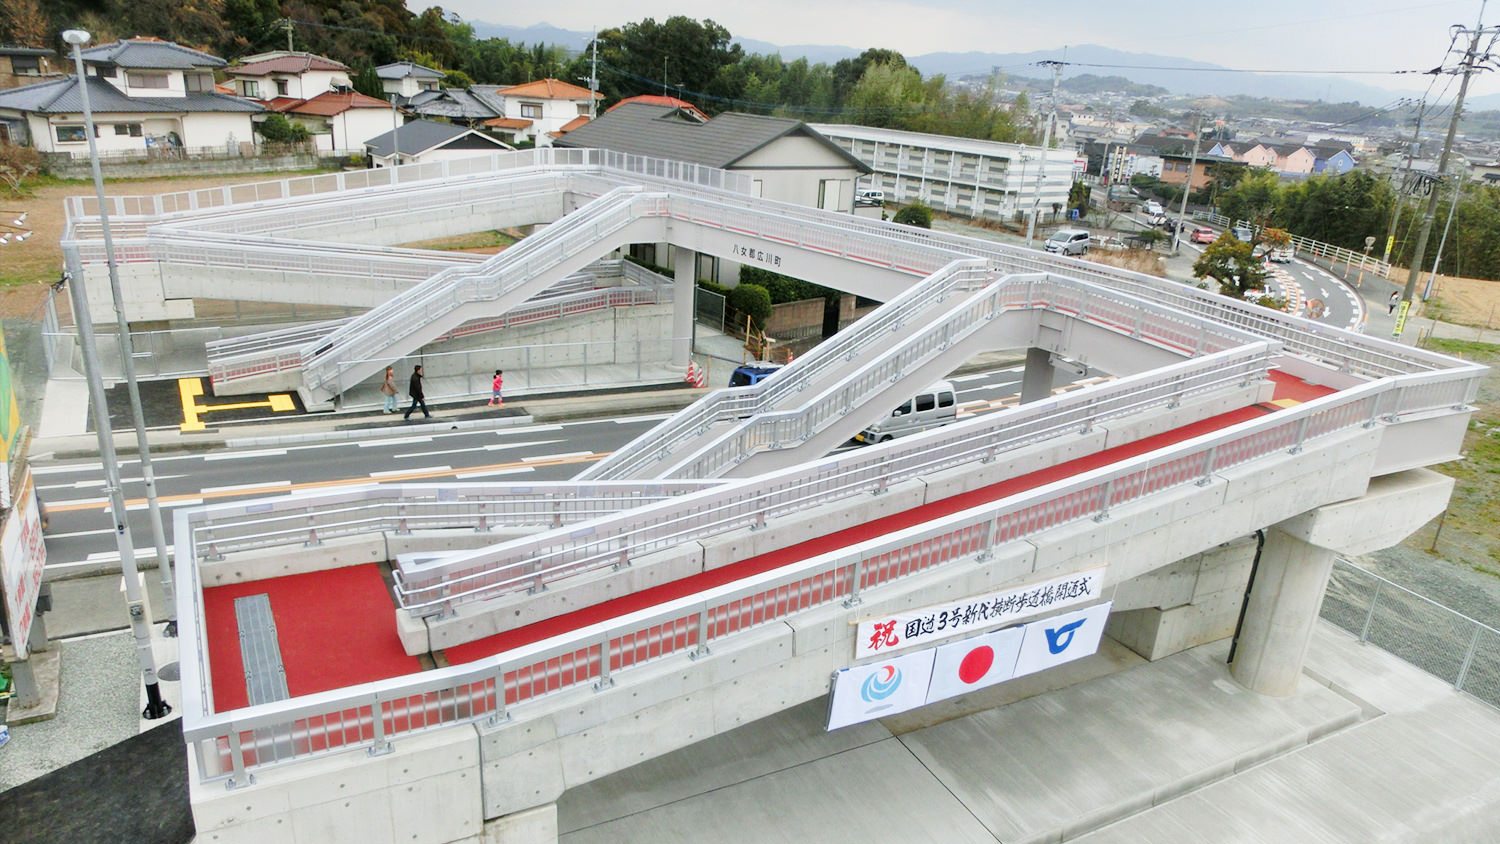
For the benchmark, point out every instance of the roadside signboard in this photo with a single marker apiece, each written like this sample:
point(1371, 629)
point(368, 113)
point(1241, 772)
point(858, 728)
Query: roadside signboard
point(886, 634)
point(22, 557)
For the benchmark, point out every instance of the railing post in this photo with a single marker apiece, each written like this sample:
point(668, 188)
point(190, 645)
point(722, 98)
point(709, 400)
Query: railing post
point(1301, 435)
point(604, 681)
point(1463, 670)
point(856, 571)
point(380, 745)
point(240, 778)
point(990, 536)
point(1104, 500)
point(1208, 465)
point(702, 648)
point(499, 714)
point(1364, 630)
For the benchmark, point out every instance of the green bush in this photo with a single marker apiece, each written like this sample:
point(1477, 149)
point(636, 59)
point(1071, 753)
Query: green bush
point(713, 287)
point(915, 214)
point(784, 288)
point(276, 129)
point(753, 301)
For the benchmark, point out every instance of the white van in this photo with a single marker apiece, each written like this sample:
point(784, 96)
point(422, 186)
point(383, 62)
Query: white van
point(933, 407)
point(1068, 242)
point(869, 196)
point(1153, 208)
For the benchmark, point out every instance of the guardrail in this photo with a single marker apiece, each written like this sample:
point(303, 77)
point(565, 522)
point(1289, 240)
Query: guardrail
point(1316, 248)
point(229, 746)
point(427, 589)
point(1444, 643)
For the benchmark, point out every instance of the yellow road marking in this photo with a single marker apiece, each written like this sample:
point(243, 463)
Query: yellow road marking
point(189, 389)
point(62, 507)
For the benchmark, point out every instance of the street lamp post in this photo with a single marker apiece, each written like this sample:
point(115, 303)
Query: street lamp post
point(140, 624)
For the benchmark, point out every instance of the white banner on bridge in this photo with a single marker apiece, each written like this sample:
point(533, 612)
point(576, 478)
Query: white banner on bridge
point(1063, 638)
point(22, 557)
point(866, 692)
point(982, 612)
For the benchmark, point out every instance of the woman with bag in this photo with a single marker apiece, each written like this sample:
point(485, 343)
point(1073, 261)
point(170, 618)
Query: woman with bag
point(388, 387)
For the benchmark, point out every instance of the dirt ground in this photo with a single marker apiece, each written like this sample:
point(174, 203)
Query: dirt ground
point(27, 268)
point(1463, 301)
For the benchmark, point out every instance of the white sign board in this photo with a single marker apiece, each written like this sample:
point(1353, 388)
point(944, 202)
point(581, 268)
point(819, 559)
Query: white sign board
point(970, 665)
point(22, 557)
point(969, 615)
point(866, 692)
point(1063, 638)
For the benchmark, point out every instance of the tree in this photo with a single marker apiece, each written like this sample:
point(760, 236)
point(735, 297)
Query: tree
point(367, 82)
point(915, 214)
point(1078, 198)
point(1231, 262)
point(753, 301)
point(23, 24)
point(17, 163)
point(650, 57)
point(276, 129)
point(1253, 199)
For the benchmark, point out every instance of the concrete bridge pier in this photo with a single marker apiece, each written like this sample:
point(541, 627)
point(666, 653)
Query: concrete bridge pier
point(1036, 381)
point(684, 290)
point(1288, 582)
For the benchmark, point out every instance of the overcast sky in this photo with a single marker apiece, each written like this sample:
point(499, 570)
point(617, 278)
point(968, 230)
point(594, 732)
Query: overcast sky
point(1261, 35)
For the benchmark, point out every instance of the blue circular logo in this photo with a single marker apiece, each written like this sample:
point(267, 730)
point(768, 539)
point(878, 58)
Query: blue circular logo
point(881, 685)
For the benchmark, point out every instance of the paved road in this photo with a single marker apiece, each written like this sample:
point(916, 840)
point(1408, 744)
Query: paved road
point(80, 539)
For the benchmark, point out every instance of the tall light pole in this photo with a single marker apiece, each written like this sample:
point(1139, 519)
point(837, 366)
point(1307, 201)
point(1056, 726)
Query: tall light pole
point(1187, 187)
point(135, 602)
point(1041, 170)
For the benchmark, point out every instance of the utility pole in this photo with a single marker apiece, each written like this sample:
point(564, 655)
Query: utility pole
point(286, 23)
point(1443, 241)
point(1187, 187)
point(1041, 170)
point(594, 76)
point(1411, 153)
point(1469, 61)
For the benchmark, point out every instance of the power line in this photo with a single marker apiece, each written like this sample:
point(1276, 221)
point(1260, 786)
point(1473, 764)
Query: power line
point(1282, 71)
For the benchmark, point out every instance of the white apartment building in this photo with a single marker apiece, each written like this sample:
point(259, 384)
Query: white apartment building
point(958, 175)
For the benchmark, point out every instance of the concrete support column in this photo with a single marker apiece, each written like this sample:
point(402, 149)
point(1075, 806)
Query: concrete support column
point(1279, 613)
point(684, 288)
point(1036, 381)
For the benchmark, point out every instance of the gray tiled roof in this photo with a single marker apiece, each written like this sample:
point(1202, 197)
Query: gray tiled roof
point(401, 70)
point(490, 96)
point(661, 131)
point(418, 136)
point(60, 96)
point(452, 103)
point(150, 54)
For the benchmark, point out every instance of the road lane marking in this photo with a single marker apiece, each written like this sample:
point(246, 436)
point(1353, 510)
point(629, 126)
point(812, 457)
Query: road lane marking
point(471, 450)
point(102, 504)
point(393, 441)
point(390, 473)
point(241, 455)
point(463, 476)
point(243, 487)
point(569, 454)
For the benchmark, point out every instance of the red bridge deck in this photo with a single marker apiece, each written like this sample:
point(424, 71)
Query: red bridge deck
point(337, 628)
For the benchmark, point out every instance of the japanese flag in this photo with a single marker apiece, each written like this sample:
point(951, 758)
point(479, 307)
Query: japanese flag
point(971, 664)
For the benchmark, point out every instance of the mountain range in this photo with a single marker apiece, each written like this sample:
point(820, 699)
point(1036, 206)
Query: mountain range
point(1178, 75)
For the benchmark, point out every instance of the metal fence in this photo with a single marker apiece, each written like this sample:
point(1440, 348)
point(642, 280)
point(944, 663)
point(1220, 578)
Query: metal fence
point(1444, 643)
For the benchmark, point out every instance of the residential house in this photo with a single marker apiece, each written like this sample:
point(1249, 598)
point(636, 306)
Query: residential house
point(784, 159)
point(1175, 168)
point(406, 79)
point(1487, 173)
point(455, 105)
point(26, 66)
point(536, 112)
point(422, 141)
point(660, 100)
point(340, 120)
point(283, 74)
point(147, 96)
point(1332, 156)
point(1258, 155)
point(1293, 159)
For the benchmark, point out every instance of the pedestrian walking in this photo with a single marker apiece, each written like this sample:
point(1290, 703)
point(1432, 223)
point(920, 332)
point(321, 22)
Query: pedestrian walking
point(414, 389)
point(495, 399)
point(388, 388)
point(1395, 300)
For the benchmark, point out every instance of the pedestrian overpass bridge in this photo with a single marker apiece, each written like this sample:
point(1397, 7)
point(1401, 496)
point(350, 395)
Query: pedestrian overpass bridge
point(484, 647)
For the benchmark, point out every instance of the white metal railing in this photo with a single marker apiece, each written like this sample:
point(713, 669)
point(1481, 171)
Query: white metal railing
point(281, 350)
point(230, 745)
point(426, 589)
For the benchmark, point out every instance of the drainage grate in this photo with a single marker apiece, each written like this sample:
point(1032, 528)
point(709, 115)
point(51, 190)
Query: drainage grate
point(265, 676)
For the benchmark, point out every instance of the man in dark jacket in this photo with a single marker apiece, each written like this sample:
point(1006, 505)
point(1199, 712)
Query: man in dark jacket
point(414, 389)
